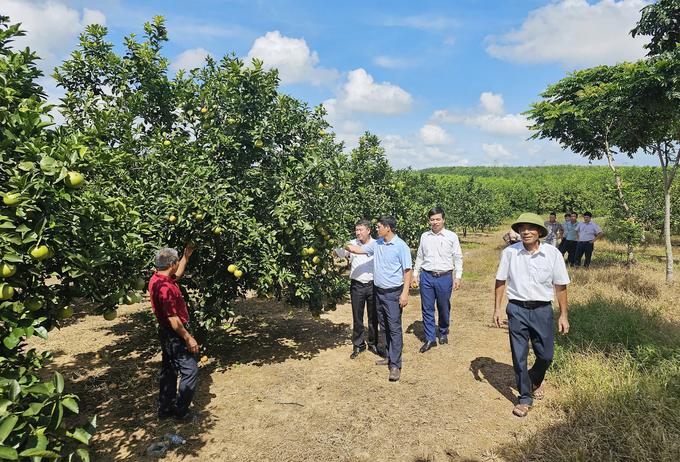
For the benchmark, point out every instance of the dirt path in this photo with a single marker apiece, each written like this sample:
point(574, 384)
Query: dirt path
point(282, 388)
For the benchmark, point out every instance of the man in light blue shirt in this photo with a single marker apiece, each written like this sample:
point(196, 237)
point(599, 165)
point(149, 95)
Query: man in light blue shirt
point(392, 278)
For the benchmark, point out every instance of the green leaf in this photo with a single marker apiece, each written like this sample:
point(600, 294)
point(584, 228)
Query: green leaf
point(14, 391)
point(70, 404)
point(84, 434)
point(13, 258)
point(8, 453)
point(4, 404)
point(83, 455)
point(57, 414)
point(11, 341)
point(45, 388)
point(33, 409)
point(6, 426)
point(58, 382)
point(36, 452)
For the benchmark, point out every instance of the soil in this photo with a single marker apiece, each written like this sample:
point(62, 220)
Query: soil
point(281, 387)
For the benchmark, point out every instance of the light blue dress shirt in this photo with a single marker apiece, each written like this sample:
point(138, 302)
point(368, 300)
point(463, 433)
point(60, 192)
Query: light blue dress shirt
point(390, 260)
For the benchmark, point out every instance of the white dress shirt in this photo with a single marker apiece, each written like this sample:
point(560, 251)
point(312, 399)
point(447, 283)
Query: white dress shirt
point(361, 266)
point(587, 231)
point(438, 252)
point(531, 277)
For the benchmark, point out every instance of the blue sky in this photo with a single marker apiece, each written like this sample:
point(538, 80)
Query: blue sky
point(441, 83)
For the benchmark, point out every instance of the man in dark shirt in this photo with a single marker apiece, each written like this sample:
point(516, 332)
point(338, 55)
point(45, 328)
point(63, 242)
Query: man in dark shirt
point(177, 344)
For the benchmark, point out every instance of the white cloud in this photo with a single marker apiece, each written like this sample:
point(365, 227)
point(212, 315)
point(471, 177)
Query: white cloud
point(352, 126)
point(492, 104)
point(52, 27)
point(391, 63)
point(497, 151)
point(292, 57)
point(434, 135)
point(506, 125)
point(492, 119)
point(190, 59)
point(574, 32)
point(362, 94)
point(93, 17)
point(402, 152)
point(450, 41)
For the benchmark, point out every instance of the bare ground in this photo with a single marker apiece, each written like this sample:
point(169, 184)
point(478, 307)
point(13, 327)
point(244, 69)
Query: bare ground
point(281, 387)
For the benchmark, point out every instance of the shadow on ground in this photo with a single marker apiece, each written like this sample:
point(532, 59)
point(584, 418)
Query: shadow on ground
point(618, 376)
point(416, 328)
point(498, 375)
point(265, 333)
point(119, 382)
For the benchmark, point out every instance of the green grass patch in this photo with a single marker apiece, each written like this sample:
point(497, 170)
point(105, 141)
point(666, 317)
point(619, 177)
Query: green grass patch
point(468, 276)
point(618, 375)
point(470, 245)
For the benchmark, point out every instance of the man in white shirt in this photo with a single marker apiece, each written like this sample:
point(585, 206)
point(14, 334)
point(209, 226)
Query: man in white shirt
point(361, 292)
point(531, 269)
point(587, 233)
point(439, 252)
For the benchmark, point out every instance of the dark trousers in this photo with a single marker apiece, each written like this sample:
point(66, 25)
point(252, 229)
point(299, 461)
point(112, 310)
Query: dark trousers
point(389, 317)
point(537, 325)
point(563, 246)
point(176, 360)
point(363, 296)
point(571, 250)
point(437, 290)
point(584, 248)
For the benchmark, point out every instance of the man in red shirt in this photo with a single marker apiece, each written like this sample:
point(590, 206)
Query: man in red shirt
point(177, 344)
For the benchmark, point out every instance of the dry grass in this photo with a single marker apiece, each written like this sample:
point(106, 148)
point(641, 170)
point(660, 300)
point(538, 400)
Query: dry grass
point(281, 387)
point(618, 371)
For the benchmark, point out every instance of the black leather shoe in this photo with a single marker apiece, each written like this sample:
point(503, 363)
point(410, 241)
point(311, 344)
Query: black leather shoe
point(427, 345)
point(357, 351)
point(443, 340)
point(376, 350)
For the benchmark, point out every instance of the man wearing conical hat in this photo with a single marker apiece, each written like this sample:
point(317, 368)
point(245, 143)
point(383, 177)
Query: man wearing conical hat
point(534, 272)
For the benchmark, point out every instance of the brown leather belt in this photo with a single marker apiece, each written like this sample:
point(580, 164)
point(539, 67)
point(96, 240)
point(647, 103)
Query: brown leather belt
point(438, 275)
point(531, 305)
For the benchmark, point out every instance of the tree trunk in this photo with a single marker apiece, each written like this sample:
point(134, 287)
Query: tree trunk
point(624, 204)
point(667, 232)
point(631, 258)
point(664, 157)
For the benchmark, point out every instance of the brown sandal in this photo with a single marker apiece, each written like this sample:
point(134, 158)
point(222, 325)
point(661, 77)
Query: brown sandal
point(521, 410)
point(537, 392)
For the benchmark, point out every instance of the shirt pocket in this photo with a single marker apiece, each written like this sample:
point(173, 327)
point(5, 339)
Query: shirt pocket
point(542, 274)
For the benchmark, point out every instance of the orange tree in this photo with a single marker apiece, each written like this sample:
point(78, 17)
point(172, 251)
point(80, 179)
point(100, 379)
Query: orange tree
point(60, 239)
point(215, 157)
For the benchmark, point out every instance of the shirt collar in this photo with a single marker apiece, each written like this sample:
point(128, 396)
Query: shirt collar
point(541, 247)
point(435, 234)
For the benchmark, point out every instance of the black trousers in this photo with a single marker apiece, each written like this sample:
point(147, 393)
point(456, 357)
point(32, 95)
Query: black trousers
point(581, 249)
point(571, 250)
point(176, 360)
point(363, 297)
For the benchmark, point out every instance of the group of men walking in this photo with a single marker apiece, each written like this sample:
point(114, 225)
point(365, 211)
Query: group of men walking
point(381, 274)
point(388, 261)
